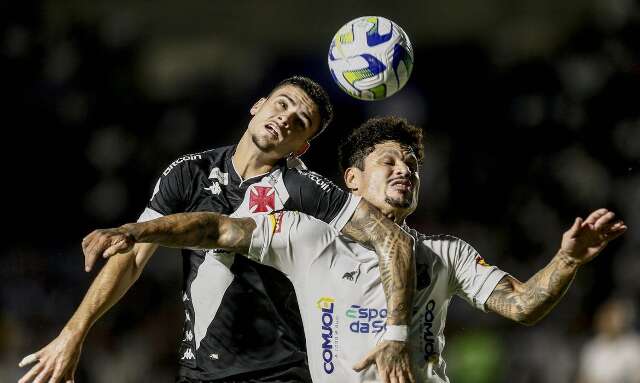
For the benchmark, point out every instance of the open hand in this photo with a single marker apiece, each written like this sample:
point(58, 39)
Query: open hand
point(586, 239)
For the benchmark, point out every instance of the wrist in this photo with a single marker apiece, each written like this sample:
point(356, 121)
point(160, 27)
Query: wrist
point(398, 333)
point(567, 260)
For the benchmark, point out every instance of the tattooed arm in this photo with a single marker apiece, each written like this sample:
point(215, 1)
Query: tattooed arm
point(196, 230)
point(531, 301)
point(394, 248)
point(395, 253)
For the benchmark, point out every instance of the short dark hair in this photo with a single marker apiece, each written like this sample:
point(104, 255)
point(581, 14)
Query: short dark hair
point(362, 141)
point(317, 93)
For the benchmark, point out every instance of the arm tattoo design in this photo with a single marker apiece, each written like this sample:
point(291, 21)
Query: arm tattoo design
point(197, 230)
point(531, 301)
point(394, 248)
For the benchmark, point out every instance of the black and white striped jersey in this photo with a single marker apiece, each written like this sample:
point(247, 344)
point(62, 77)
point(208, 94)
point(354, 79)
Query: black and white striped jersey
point(240, 316)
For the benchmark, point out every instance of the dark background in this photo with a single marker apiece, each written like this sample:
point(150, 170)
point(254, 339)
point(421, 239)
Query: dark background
point(530, 108)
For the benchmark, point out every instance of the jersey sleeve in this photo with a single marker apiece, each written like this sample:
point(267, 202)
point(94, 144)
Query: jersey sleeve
point(315, 195)
point(171, 193)
point(289, 241)
point(471, 277)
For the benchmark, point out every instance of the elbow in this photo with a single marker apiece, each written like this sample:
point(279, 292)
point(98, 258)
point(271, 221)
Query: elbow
point(528, 318)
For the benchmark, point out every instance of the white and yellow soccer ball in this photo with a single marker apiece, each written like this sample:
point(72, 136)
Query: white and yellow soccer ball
point(370, 58)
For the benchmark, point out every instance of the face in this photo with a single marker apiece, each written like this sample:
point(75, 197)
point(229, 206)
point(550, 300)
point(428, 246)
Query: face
point(390, 179)
point(284, 122)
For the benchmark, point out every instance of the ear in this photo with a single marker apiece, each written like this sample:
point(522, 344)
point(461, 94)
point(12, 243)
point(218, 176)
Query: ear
point(352, 178)
point(254, 109)
point(303, 149)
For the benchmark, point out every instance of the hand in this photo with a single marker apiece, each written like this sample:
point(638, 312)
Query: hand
point(56, 362)
point(392, 359)
point(586, 239)
point(105, 243)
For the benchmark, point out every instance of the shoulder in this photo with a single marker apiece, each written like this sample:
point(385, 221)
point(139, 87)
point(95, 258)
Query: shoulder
point(199, 160)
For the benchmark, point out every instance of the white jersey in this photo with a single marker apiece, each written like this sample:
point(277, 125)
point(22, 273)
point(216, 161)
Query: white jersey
point(342, 301)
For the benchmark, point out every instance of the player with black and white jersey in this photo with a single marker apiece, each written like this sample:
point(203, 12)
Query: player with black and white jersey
point(241, 318)
point(338, 282)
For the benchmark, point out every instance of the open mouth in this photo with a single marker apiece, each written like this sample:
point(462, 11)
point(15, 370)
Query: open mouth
point(272, 129)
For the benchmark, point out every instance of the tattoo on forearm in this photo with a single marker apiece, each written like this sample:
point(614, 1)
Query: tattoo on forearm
point(531, 301)
point(395, 253)
point(202, 230)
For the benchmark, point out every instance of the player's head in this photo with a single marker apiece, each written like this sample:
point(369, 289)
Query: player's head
point(380, 161)
point(296, 110)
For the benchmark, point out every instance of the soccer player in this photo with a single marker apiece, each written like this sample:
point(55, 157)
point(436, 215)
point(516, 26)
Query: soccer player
point(338, 282)
point(251, 177)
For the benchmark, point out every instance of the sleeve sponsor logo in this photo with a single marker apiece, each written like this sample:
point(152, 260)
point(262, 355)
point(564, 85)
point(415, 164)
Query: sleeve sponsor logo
point(480, 261)
point(319, 180)
point(366, 320)
point(179, 161)
point(262, 199)
point(326, 306)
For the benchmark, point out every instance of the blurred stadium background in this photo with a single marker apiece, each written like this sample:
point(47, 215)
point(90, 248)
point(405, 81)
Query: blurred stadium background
point(531, 109)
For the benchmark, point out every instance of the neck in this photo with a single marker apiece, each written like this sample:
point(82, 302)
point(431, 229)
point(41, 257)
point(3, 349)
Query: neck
point(396, 217)
point(249, 161)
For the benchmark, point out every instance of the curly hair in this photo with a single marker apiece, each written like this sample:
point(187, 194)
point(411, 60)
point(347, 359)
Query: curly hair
point(317, 93)
point(362, 141)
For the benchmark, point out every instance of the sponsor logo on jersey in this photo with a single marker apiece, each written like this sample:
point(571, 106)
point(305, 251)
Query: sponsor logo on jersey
point(428, 336)
point(318, 179)
point(180, 160)
point(480, 261)
point(188, 354)
point(262, 199)
point(326, 306)
point(275, 219)
point(366, 320)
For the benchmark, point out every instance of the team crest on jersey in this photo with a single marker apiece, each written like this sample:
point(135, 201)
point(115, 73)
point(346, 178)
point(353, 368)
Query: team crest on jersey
point(262, 199)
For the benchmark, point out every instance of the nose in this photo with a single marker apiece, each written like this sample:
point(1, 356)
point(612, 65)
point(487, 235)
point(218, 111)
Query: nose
point(403, 169)
point(286, 118)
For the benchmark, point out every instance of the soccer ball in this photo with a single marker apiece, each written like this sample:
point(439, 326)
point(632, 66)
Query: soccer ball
point(370, 58)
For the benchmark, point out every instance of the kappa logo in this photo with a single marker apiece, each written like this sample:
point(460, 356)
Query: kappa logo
point(262, 199)
point(350, 275)
point(188, 354)
point(188, 336)
point(218, 178)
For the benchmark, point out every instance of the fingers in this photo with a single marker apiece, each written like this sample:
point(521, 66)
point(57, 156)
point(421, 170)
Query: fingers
point(27, 360)
point(35, 370)
point(44, 374)
point(365, 363)
point(120, 246)
point(594, 216)
point(576, 227)
point(604, 221)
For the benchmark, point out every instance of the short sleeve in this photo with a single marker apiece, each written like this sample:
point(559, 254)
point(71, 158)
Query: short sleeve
point(473, 279)
point(171, 192)
point(289, 241)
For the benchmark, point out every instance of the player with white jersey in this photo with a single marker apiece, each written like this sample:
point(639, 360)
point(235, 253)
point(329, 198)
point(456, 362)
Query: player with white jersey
point(338, 282)
point(342, 302)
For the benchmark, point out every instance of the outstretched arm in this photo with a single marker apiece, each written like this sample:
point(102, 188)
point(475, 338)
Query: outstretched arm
point(531, 301)
point(58, 360)
point(394, 248)
point(184, 230)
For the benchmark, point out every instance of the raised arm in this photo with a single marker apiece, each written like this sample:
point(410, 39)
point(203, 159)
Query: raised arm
point(394, 248)
point(58, 360)
point(531, 301)
point(203, 230)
